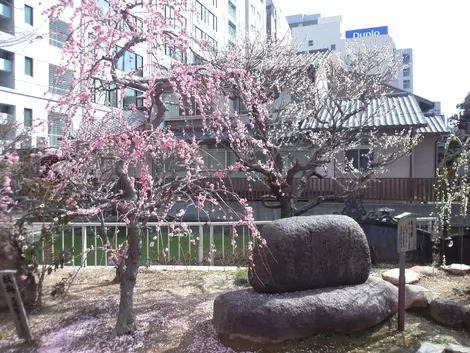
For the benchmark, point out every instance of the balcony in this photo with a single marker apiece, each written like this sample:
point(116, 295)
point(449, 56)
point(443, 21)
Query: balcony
point(6, 65)
point(5, 10)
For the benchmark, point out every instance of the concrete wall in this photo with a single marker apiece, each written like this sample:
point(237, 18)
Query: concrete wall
point(324, 34)
point(424, 158)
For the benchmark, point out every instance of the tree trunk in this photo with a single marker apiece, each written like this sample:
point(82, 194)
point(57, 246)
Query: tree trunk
point(125, 322)
point(286, 210)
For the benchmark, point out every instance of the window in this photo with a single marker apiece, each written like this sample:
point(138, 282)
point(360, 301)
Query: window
point(214, 158)
point(61, 84)
point(58, 33)
point(108, 91)
point(28, 66)
point(55, 128)
point(190, 107)
point(359, 158)
point(130, 62)
point(28, 117)
point(174, 52)
point(206, 16)
point(406, 84)
point(232, 29)
point(310, 43)
point(406, 72)
point(258, 15)
point(232, 9)
point(201, 35)
point(406, 59)
point(333, 46)
point(28, 15)
point(133, 97)
point(253, 10)
point(214, 3)
point(172, 20)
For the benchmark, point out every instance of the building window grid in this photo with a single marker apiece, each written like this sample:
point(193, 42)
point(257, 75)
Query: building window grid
point(201, 35)
point(58, 33)
point(28, 66)
point(55, 128)
point(406, 72)
point(130, 62)
point(310, 43)
point(59, 85)
point(206, 16)
point(28, 15)
point(406, 84)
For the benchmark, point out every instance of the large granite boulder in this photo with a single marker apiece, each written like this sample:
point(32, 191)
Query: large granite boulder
point(448, 312)
point(310, 252)
point(247, 319)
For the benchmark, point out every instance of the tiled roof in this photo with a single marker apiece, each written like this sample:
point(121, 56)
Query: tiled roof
point(112, 125)
point(436, 125)
point(394, 111)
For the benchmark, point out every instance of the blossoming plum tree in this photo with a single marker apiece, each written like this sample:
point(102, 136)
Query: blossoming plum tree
point(116, 158)
point(303, 112)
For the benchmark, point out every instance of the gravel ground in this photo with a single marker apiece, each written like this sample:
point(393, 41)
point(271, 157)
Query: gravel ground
point(174, 311)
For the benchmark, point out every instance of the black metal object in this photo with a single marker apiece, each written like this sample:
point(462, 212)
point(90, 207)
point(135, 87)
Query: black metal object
point(354, 208)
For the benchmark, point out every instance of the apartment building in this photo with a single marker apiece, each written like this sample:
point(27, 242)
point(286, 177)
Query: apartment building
point(277, 26)
point(313, 32)
point(30, 52)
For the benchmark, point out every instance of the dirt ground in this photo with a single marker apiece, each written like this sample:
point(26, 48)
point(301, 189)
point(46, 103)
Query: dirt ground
point(174, 311)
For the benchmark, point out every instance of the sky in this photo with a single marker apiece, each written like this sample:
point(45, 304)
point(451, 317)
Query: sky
point(437, 31)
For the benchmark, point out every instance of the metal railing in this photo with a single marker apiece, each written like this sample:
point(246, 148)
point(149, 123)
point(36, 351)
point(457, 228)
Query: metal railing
point(208, 243)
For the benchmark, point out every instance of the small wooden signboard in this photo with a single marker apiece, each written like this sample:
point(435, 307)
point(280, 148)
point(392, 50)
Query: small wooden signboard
point(406, 241)
point(15, 303)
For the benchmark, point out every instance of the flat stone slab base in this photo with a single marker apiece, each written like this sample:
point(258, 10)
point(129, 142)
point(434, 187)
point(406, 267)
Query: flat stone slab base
point(246, 319)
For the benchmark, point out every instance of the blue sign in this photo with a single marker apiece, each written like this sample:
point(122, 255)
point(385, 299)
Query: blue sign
point(367, 32)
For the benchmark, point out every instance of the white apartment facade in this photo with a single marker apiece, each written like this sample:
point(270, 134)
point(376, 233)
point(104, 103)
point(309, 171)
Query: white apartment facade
point(313, 32)
point(27, 68)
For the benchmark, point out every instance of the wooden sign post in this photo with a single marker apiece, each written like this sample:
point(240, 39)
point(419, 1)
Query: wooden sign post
point(406, 241)
point(15, 303)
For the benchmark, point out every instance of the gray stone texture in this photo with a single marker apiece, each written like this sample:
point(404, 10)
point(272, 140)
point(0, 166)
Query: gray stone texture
point(417, 297)
point(310, 252)
point(447, 312)
point(247, 319)
point(393, 276)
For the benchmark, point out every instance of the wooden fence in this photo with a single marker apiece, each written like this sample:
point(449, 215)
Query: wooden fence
point(386, 189)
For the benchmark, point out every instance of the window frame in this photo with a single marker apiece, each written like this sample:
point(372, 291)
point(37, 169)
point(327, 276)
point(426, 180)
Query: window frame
point(28, 10)
point(360, 158)
point(30, 120)
point(30, 61)
point(407, 82)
